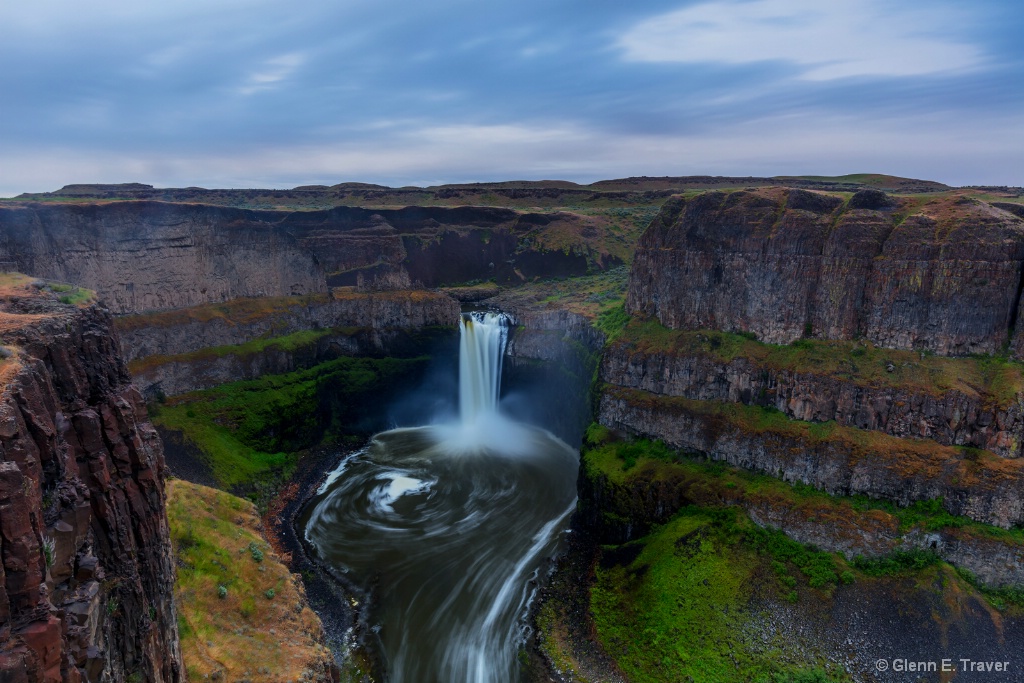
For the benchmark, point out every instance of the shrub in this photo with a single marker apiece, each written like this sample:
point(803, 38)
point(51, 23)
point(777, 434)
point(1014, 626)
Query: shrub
point(257, 554)
point(49, 549)
point(222, 591)
point(270, 593)
point(899, 561)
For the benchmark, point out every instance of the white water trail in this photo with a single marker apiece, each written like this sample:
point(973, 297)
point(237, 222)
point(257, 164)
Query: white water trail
point(481, 349)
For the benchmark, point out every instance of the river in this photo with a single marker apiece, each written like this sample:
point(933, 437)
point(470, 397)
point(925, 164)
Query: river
point(445, 525)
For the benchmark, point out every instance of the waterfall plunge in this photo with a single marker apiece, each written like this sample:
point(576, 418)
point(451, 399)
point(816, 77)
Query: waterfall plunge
point(446, 524)
point(481, 349)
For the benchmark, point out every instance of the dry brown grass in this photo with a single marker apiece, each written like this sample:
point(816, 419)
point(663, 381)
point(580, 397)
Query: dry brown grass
point(237, 311)
point(246, 634)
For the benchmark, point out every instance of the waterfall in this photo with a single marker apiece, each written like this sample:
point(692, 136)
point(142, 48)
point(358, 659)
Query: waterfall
point(481, 348)
point(445, 526)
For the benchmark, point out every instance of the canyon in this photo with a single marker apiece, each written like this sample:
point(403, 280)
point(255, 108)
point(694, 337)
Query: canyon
point(836, 361)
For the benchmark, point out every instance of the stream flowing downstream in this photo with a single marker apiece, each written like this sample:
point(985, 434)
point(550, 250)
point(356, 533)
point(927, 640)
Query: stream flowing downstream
point(445, 525)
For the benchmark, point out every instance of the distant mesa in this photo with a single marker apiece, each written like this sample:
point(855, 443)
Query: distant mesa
point(80, 189)
point(346, 192)
point(512, 185)
point(358, 186)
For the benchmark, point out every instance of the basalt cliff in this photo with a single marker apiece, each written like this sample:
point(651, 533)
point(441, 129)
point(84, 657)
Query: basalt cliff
point(86, 573)
point(826, 342)
point(145, 255)
point(941, 276)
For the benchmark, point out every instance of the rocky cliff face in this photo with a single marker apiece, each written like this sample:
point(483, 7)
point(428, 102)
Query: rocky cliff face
point(836, 460)
point(968, 416)
point(552, 355)
point(179, 351)
point(86, 573)
point(148, 255)
point(621, 508)
point(942, 275)
point(240, 321)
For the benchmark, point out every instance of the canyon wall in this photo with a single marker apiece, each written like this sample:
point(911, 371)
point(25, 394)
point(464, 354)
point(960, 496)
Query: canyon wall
point(147, 256)
point(842, 344)
point(552, 355)
point(86, 574)
point(969, 414)
point(174, 352)
point(941, 276)
point(837, 460)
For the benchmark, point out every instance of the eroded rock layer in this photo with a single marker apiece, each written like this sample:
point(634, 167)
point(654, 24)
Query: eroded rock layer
point(174, 352)
point(838, 460)
point(86, 573)
point(147, 255)
point(150, 255)
point(965, 415)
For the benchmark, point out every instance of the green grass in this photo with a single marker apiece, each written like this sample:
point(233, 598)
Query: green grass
point(592, 295)
point(613, 321)
point(250, 431)
point(234, 629)
point(288, 343)
point(629, 463)
point(1003, 599)
point(899, 562)
point(70, 294)
point(675, 605)
point(625, 461)
point(678, 604)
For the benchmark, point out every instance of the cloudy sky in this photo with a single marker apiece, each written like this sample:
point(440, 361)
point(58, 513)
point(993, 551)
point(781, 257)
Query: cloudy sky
point(264, 93)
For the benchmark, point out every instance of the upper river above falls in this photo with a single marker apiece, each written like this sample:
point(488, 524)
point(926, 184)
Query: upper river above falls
point(445, 525)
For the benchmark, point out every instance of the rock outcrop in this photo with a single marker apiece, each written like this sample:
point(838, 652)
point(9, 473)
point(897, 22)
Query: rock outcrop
point(86, 573)
point(149, 255)
point(625, 507)
point(552, 354)
point(837, 460)
point(942, 276)
point(179, 351)
point(968, 416)
point(244, 320)
point(146, 255)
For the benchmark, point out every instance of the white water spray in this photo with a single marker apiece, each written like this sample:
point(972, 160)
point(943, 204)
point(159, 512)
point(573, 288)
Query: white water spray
point(481, 348)
point(445, 525)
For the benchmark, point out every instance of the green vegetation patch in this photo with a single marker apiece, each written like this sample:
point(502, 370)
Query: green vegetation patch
point(70, 294)
point(676, 605)
point(859, 362)
point(613, 321)
point(627, 463)
point(592, 296)
point(687, 601)
point(250, 431)
point(288, 343)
